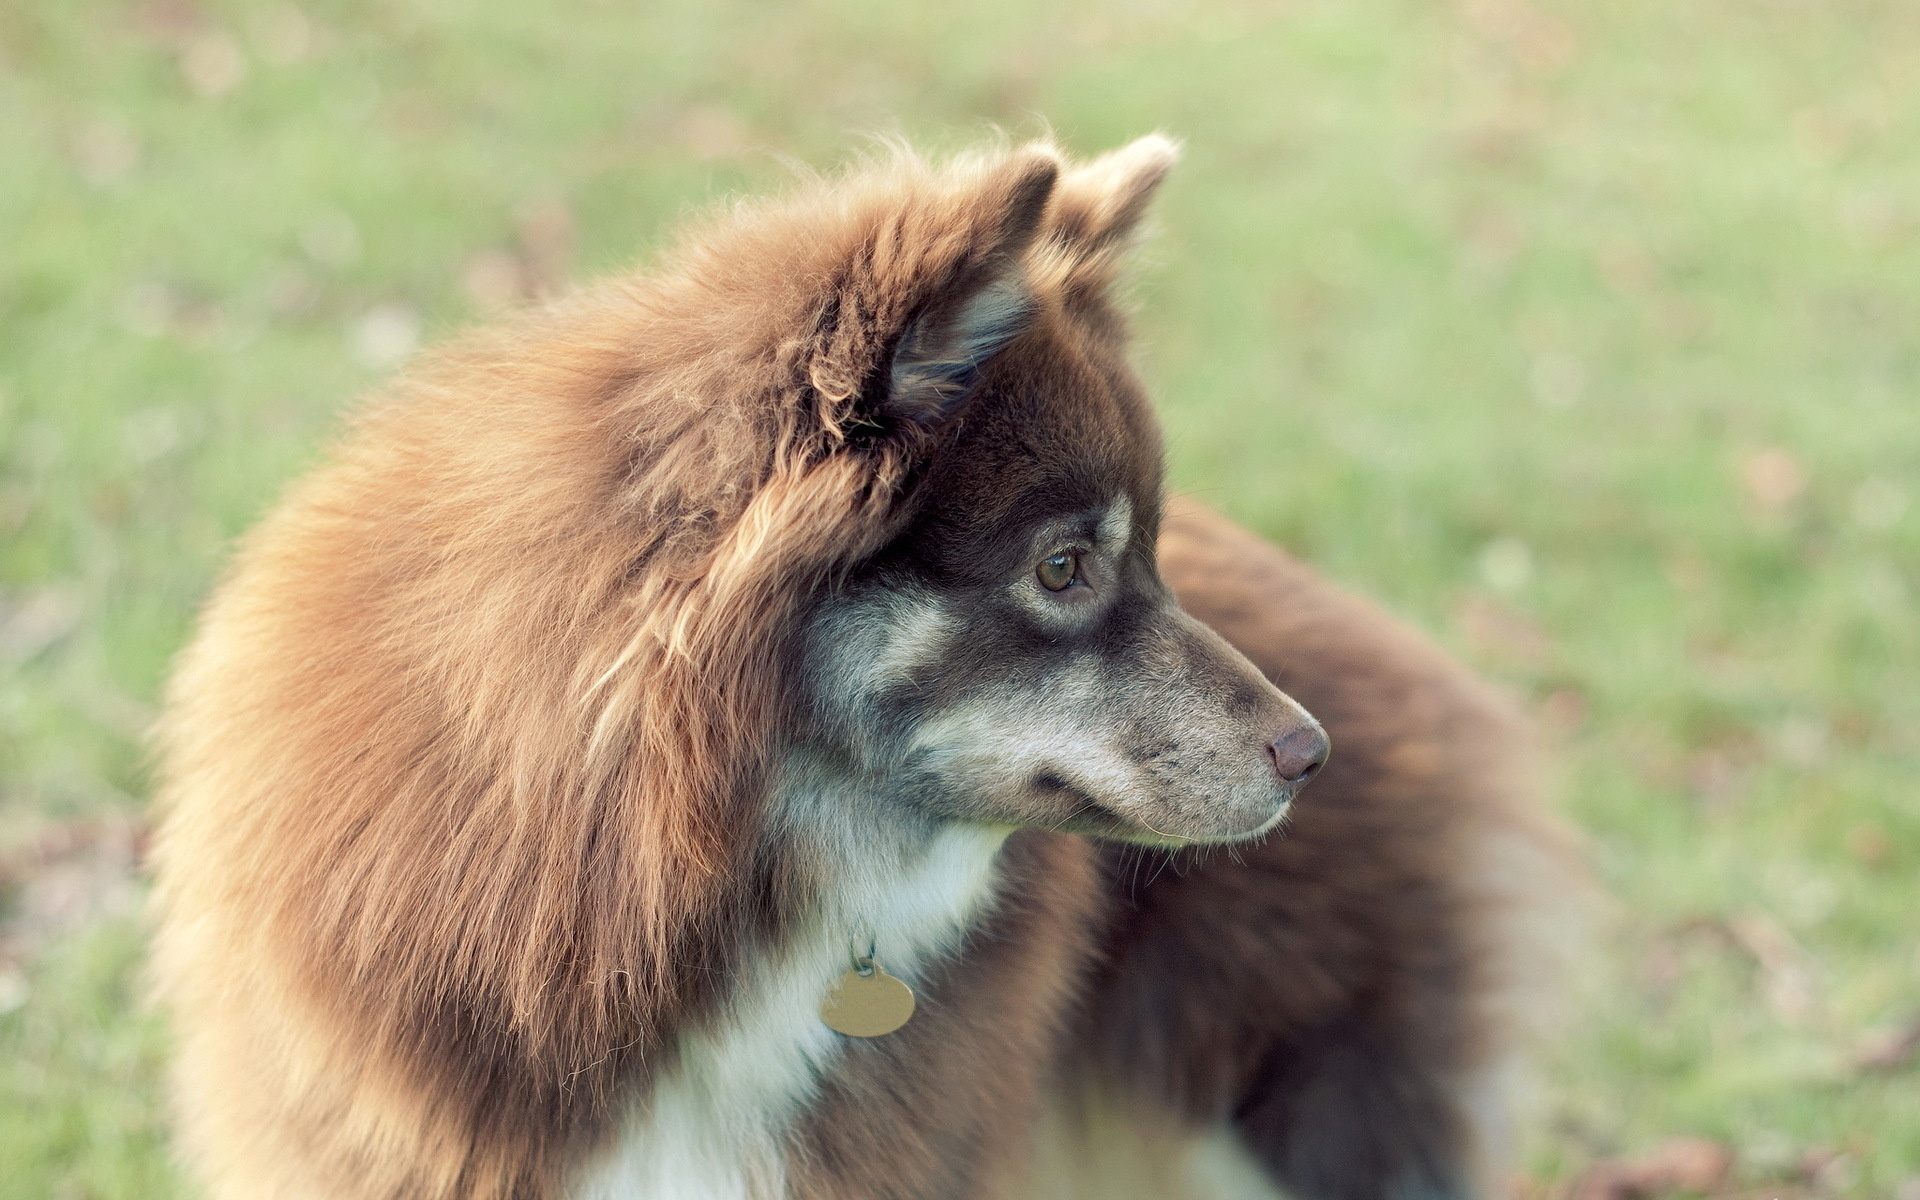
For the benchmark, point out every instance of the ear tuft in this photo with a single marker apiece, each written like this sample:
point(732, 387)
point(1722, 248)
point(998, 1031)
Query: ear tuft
point(940, 355)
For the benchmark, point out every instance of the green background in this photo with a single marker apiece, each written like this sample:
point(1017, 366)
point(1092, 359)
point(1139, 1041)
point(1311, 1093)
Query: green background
point(1582, 334)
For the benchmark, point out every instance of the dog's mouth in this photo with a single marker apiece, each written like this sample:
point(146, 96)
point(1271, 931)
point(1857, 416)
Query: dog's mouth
point(1091, 817)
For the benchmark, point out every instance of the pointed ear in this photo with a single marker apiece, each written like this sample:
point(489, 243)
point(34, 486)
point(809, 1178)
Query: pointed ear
point(976, 306)
point(1097, 207)
point(942, 351)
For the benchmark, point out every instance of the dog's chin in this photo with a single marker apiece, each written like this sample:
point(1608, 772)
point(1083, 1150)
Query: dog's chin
point(1223, 834)
point(1121, 822)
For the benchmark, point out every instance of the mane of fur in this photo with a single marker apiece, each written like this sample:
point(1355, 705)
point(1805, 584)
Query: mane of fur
point(462, 779)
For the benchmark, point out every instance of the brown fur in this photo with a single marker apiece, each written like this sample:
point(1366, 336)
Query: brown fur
point(463, 778)
point(1385, 923)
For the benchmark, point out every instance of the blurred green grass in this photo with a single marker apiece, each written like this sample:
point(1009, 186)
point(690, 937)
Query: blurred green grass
point(1583, 334)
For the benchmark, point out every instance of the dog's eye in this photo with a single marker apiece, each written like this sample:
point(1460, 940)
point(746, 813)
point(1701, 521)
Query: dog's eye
point(1056, 574)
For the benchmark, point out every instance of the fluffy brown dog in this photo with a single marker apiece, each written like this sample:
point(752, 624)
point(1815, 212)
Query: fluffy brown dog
point(639, 683)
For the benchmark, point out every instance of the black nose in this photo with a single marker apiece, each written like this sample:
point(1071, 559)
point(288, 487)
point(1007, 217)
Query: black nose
point(1298, 756)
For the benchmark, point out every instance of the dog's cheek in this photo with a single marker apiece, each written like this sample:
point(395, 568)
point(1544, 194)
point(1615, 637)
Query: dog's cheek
point(1026, 752)
point(865, 649)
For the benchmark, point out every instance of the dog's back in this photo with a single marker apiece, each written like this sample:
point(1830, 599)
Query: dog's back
point(636, 681)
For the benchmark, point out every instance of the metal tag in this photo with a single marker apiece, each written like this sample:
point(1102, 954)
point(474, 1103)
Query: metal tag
point(867, 1002)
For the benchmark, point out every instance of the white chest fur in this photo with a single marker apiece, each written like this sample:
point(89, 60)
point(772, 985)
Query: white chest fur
point(713, 1126)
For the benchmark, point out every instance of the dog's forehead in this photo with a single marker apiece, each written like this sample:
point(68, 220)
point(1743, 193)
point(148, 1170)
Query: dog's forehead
point(1057, 433)
point(1080, 422)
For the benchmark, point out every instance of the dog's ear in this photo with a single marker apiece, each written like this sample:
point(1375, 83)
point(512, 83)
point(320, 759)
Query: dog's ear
point(1098, 207)
point(969, 317)
point(944, 347)
point(940, 291)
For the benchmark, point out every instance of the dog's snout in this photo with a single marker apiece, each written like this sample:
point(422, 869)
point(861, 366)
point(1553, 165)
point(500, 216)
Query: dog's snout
point(1299, 754)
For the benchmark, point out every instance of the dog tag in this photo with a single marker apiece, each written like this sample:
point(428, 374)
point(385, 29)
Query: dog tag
point(867, 1002)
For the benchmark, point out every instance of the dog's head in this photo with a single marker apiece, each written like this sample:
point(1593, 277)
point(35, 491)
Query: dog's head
point(1010, 654)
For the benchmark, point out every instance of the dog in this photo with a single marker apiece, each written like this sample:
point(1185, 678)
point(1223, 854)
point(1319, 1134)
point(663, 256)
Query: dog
point(758, 729)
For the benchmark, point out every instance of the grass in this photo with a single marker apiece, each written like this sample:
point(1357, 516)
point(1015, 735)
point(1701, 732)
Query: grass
point(1581, 333)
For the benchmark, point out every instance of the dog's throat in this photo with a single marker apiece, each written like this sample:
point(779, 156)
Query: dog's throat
point(867, 1002)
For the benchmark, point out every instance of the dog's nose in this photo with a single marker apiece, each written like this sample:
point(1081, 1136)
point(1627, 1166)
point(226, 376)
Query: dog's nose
point(1299, 755)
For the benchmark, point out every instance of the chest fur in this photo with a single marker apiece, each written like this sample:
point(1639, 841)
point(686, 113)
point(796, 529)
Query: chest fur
point(715, 1124)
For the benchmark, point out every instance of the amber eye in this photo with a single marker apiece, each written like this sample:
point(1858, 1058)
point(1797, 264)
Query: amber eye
point(1058, 572)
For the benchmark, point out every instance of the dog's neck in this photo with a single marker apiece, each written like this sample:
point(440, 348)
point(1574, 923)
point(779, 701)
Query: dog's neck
point(885, 877)
point(882, 877)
